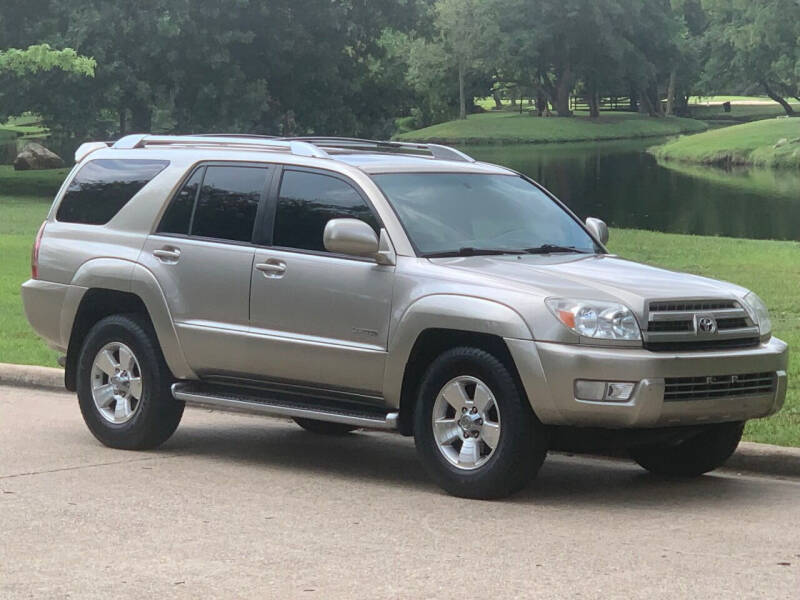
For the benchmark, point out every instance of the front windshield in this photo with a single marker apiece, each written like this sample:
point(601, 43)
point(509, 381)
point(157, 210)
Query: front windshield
point(469, 213)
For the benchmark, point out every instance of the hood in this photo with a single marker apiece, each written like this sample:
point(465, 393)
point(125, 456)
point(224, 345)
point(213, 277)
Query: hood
point(597, 277)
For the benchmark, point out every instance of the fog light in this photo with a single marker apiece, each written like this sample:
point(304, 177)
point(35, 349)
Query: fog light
point(603, 391)
point(619, 392)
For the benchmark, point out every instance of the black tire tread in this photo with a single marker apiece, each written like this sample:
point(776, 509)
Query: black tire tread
point(159, 414)
point(693, 457)
point(523, 445)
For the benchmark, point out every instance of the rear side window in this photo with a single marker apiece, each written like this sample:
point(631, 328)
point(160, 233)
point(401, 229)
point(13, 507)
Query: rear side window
point(228, 201)
point(102, 187)
point(306, 203)
point(178, 218)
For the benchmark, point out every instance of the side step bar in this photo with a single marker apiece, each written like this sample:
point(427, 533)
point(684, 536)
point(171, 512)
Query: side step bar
point(282, 405)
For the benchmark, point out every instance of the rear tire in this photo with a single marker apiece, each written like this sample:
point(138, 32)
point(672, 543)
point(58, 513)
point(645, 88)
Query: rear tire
point(699, 454)
point(124, 385)
point(490, 452)
point(324, 427)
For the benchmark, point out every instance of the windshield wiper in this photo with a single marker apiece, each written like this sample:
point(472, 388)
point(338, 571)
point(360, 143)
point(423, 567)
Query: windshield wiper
point(470, 251)
point(550, 248)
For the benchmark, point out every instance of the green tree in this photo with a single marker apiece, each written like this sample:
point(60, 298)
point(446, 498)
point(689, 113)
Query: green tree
point(467, 29)
point(756, 42)
point(42, 57)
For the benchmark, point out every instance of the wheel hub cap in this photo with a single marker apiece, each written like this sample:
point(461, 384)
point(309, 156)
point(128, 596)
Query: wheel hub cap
point(466, 422)
point(116, 383)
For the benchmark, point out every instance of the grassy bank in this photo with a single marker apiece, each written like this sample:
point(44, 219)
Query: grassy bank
point(768, 143)
point(770, 268)
point(509, 128)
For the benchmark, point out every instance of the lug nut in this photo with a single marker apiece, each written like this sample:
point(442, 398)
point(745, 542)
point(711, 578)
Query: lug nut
point(463, 409)
point(474, 410)
point(475, 434)
point(479, 422)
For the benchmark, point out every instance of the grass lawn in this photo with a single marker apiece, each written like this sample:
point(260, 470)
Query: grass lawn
point(768, 143)
point(770, 268)
point(511, 127)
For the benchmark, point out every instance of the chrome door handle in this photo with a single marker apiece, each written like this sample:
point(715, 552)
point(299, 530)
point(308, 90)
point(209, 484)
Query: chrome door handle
point(167, 254)
point(273, 268)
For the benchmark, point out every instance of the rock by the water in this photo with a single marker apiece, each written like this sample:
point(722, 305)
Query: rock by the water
point(35, 156)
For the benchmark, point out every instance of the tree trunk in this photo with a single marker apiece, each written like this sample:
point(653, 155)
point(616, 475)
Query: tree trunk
point(123, 121)
point(498, 103)
point(671, 93)
point(462, 102)
point(141, 118)
point(541, 104)
point(779, 99)
point(563, 89)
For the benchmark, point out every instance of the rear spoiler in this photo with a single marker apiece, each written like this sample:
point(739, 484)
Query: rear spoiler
point(86, 149)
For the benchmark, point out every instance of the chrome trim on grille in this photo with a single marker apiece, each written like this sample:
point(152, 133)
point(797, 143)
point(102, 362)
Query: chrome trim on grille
point(671, 323)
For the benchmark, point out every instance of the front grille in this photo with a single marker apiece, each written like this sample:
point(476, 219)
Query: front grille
point(672, 325)
point(679, 389)
point(692, 346)
point(692, 305)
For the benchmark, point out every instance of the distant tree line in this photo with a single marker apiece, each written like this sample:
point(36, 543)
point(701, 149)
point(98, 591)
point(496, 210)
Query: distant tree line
point(352, 66)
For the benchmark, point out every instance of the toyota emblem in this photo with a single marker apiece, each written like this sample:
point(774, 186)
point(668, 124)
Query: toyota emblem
point(706, 324)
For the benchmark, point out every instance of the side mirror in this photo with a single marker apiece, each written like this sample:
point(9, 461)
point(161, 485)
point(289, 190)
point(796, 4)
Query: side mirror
point(350, 236)
point(598, 228)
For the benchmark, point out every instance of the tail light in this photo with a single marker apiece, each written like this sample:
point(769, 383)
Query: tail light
point(35, 252)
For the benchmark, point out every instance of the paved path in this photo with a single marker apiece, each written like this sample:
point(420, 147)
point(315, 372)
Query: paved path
point(244, 507)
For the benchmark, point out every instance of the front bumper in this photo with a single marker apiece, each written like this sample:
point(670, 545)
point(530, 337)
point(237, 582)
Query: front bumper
point(549, 371)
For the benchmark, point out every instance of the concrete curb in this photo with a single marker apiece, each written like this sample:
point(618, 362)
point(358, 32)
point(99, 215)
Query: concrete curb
point(31, 376)
point(761, 459)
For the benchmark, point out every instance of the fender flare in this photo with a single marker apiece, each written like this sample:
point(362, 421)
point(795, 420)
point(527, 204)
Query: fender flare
point(445, 311)
point(126, 276)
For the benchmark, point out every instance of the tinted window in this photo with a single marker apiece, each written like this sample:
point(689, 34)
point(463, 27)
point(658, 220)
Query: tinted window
point(102, 187)
point(228, 201)
point(178, 217)
point(307, 202)
point(445, 212)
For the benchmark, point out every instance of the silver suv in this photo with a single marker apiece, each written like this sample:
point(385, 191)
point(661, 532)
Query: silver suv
point(356, 284)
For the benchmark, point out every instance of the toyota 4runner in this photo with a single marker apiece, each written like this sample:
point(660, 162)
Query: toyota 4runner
point(356, 284)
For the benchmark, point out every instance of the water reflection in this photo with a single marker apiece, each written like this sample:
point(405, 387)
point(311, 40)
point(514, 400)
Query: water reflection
point(621, 183)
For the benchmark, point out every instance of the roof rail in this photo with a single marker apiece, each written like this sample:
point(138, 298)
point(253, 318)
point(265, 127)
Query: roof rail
point(297, 147)
point(301, 146)
point(437, 151)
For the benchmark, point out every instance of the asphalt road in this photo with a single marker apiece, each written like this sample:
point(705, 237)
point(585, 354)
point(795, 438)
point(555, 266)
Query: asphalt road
point(245, 507)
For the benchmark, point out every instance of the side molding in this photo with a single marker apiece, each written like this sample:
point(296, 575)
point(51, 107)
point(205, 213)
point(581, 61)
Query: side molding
point(445, 311)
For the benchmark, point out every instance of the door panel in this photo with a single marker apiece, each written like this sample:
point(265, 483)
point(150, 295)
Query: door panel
point(322, 320)
point(207, 290)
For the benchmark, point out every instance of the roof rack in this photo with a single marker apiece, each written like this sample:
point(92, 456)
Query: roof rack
point(300, 146)
point(437, 151)
point(139, 140)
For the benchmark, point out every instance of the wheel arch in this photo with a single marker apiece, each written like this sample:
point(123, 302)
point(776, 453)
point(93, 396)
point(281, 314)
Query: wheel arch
point(436, 323)
point(118, 287)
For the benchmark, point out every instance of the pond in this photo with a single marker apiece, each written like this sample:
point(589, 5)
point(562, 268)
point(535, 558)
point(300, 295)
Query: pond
point(623, 185)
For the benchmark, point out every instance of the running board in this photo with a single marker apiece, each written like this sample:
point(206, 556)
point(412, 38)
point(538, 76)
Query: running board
point(282, 405)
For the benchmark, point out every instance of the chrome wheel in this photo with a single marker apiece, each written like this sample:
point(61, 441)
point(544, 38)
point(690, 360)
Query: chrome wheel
point(116, 383)
point(466, 422)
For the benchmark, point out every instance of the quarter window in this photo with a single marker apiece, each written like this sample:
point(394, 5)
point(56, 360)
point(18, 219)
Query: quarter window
point(178, 218)
point(228, 202)
point(307, 201)
point(102, 187)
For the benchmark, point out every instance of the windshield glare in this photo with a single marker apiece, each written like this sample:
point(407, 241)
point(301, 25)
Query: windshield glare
point(451, 212)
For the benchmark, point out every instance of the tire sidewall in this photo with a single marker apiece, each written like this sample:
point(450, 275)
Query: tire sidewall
point(129, 332)
point(496, 477)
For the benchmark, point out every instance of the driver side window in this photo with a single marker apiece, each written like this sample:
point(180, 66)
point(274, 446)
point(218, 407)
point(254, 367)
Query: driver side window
point(307, 201)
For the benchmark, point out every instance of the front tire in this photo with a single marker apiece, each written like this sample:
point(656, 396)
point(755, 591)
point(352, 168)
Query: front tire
point(473, 427)
point(692, 457)
point(124, 385)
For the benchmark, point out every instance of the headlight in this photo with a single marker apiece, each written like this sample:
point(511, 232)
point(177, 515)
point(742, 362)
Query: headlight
point(595, 319)
point(758, 311)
